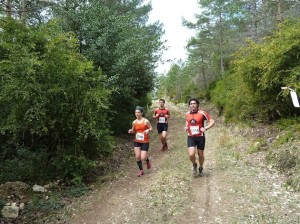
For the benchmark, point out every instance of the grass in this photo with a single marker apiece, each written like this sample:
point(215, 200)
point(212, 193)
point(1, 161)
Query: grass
point(261, 198)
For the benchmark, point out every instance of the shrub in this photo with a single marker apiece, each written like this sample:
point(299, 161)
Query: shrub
point(53, 103)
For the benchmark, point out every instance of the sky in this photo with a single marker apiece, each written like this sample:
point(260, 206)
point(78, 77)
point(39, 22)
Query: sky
point(170, 13)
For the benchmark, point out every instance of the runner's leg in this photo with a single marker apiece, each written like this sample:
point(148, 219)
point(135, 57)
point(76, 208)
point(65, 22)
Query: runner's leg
point(164, 139)
point(137, 153)
point(201, 157)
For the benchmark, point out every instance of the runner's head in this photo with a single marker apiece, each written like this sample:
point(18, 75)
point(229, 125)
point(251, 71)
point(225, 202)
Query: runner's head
point(161, 103)
point(194, 104)
point(139, 111)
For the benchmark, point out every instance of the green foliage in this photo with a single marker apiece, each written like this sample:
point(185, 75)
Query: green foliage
point(221, 29)
point(40, 204)
point(53, 103)
point(2, 203)
point(292, 123)
point(218, 29)
point(115, 36)
point(73, 167)
point(290, 130)
point(75, 190)
point(22, 165)
point(171, 81)
point(252, 89)
point(178, 85)
point(257, 146)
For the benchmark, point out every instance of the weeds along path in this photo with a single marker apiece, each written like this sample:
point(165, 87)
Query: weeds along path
point(233, 190)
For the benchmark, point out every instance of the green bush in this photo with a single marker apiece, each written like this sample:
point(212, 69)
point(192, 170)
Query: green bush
point(251, 89)
point(23, 165)
point(54, 104)
point(75, 190)
point(40, 204)
point(72, 167)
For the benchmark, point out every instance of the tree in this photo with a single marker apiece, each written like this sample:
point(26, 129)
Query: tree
point(222, 28)
point(28, 11)
point(258, 73)
point(54, 105)
point(115, 36)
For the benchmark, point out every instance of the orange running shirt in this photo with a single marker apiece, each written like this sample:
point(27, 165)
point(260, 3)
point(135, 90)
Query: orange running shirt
point(140, 136)
point(195, 121)
point(162, 112)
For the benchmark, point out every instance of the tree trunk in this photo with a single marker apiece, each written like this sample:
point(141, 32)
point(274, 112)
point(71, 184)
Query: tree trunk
point(221, 44)
point(24, 11)
point(8, 8)
point(203, 73)
point(279, 15)
point(256, 20)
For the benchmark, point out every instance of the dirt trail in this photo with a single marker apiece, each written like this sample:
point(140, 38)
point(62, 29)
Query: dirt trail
point(232, 190)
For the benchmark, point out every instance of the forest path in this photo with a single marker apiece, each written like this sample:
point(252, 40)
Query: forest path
point(237, 187)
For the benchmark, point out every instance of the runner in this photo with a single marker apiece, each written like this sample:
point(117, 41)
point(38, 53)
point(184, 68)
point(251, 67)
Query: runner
point(162, 114)
point(141, 127)
point(196, 138)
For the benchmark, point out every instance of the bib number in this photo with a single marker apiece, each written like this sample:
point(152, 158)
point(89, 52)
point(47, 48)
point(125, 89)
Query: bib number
point(195, 130)
point(161, 120)
point(140, 136)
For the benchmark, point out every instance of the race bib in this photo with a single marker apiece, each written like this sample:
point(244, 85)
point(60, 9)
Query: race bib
point(194, 130)
point(161, 120)
point(139, 136)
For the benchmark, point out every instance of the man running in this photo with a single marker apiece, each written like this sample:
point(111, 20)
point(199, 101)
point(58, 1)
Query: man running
point(196, 138)
point(162, 114)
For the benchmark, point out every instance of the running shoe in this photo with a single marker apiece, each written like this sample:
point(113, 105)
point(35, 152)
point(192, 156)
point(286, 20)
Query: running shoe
point(149, 164)
point(194, 170)
point(162, 148)
point(140, 173)
point(201, 173)
point(166, 146)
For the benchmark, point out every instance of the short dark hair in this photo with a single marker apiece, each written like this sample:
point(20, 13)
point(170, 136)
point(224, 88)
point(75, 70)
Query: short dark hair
point(194, 99)
point(162, 100)
point(141, 109)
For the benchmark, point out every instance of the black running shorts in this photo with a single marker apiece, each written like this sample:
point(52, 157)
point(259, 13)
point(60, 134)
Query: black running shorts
point(143, 146)
point(162, 127)
point(196, 141)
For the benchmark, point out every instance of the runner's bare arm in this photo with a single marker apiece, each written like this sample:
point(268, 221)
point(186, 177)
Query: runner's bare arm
point(154, 114)
point(149, 126)
point(168, 115)
point(211, 123)
point(132, 130)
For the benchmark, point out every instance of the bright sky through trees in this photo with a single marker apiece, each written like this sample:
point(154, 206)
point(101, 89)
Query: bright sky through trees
point(170, 13)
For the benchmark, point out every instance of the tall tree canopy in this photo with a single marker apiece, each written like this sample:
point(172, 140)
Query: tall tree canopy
point(252, 88)
point(116, 37)
point(245, 84)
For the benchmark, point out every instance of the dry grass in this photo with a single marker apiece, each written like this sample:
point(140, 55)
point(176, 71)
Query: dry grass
point(257, 190)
